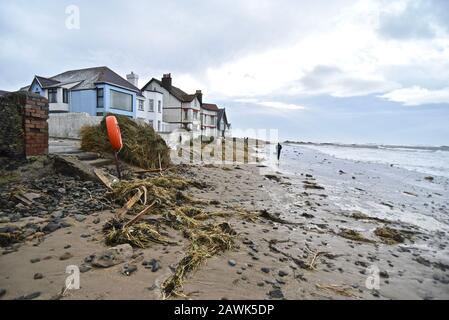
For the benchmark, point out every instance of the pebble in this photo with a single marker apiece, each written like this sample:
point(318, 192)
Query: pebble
point(265, 269)
point(2, 292)
point(283, 273)
point(34, 260)
point(276, 294)
point(67, 246)
point(79, 217)
point(260, 284)
point(66, 256)
point(96, 221)
point(129, 269)
point(85, 268)
point(232, 263)
point(38, 276)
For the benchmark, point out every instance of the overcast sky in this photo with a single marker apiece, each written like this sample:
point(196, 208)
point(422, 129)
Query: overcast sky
point(352, 71)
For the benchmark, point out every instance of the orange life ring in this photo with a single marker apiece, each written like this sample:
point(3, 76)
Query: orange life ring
point(115, 137)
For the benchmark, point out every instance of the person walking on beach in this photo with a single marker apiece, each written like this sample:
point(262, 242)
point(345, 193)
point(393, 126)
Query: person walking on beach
point(279, 148)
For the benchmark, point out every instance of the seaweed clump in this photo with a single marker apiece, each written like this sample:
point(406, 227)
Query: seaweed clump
point(142, 146)
point(392, 236)
point(353, 235)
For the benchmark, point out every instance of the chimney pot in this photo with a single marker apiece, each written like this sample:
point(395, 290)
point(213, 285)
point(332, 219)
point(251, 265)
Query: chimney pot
point(133, 79)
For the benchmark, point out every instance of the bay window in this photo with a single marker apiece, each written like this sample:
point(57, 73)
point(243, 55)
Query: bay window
point(121, 101)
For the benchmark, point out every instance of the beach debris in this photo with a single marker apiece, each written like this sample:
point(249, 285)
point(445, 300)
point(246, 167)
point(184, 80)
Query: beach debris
point(128, 269)
point(338, 289)
point(357, 215)
point(272, 246)
point(142, 146)
point(268, 216)
point(387, 205)
point(353, 235)
point(312, 185)
point(314, 257)
point(139, 235)
point(112, 256)
point(429, 178)
point(206, 241)
point(273, 177)
point(392, 236)
point(410, 193)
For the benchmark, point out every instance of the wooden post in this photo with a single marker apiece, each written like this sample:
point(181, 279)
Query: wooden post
point(234, 150)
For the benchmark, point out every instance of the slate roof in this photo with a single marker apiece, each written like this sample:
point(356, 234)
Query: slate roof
point(210, 106)
point(88, 79)
point(175, 91)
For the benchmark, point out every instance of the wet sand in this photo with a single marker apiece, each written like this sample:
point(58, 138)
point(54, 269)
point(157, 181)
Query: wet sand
point(305, 257)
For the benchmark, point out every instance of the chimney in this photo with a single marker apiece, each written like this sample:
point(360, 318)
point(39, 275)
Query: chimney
point(166, 81)
point(133, 79)
point(199, 94)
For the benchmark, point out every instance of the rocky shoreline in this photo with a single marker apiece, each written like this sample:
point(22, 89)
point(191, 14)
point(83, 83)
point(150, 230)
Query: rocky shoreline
point(303, 246)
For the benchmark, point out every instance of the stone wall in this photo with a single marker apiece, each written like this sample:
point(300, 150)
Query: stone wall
point(23, 125)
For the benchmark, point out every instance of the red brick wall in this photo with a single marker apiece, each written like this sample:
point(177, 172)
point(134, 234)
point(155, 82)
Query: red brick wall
point(23, 125)
point(36, 126)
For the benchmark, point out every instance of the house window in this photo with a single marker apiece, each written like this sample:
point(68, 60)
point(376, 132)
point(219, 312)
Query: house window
point(186, 115)
point(151, 105)
point(52, 95)
point(212, 120)
point(141, 105)
point(195, 115)
point(100, 98)
point(159, 107)
point(65, 96)
point(158, 126)
point(121, 101)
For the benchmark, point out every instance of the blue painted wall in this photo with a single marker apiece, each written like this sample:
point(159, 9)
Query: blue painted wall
point(36, 88)
point(84, 101)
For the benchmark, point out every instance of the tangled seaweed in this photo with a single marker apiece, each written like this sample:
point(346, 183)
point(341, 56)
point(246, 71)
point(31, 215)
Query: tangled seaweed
point(142, 146)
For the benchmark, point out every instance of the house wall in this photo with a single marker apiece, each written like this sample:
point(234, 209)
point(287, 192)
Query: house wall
point(68, 125)
point(84, 101)
point(155, 115)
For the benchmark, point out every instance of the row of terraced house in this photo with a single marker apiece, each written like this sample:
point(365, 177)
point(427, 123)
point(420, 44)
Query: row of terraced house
point(97, 91)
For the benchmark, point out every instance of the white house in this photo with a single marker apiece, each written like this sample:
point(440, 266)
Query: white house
point(180, 110)
point(209, 116)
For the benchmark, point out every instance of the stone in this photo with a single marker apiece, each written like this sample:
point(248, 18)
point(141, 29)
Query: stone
point(57, 214)
point(34, 260)
point(129, 269)
point(276, 294)
point(265, 270)
point(283, 273)
point(85, 268)
point(62, 190)
point(384, 274)
point(51, 227)
point(66, 256)
point(232, 263)
point(112, 256)
point(38, 276)
point(96, 221)
point(79, 217)
point(67, 246)
point(2, 292)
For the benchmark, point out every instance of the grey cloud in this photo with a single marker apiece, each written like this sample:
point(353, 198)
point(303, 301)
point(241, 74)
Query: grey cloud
point(417, 21)
point(150, 37)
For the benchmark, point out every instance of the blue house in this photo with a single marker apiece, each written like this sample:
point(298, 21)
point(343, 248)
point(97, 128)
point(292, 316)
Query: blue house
point(95, 91)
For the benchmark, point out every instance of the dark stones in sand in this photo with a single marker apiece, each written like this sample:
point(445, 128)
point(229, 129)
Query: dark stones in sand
point(85, 268)
point(423, 261)
point(79, 217)
point(30, 296)
point(2, 292)
point(276, 294)
point(273, 177)
point(38, 276)
point(113, 256)
point(232, 263)
point(129, 269)
point(260, 284)
point(341, 172)
point(51, 227)
point(283, 273)
point(384, 274)
point(153, 264)
point(265, 270)
point(96, 221)
point(67, 246)
point(66, 256)
point(308, 215)
point(429, 178)
point(35, 260)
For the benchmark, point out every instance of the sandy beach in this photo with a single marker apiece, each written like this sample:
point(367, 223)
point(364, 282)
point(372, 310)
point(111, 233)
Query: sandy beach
point(343, 230)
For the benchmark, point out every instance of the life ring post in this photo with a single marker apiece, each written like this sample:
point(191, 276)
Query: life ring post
point(115, 138)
